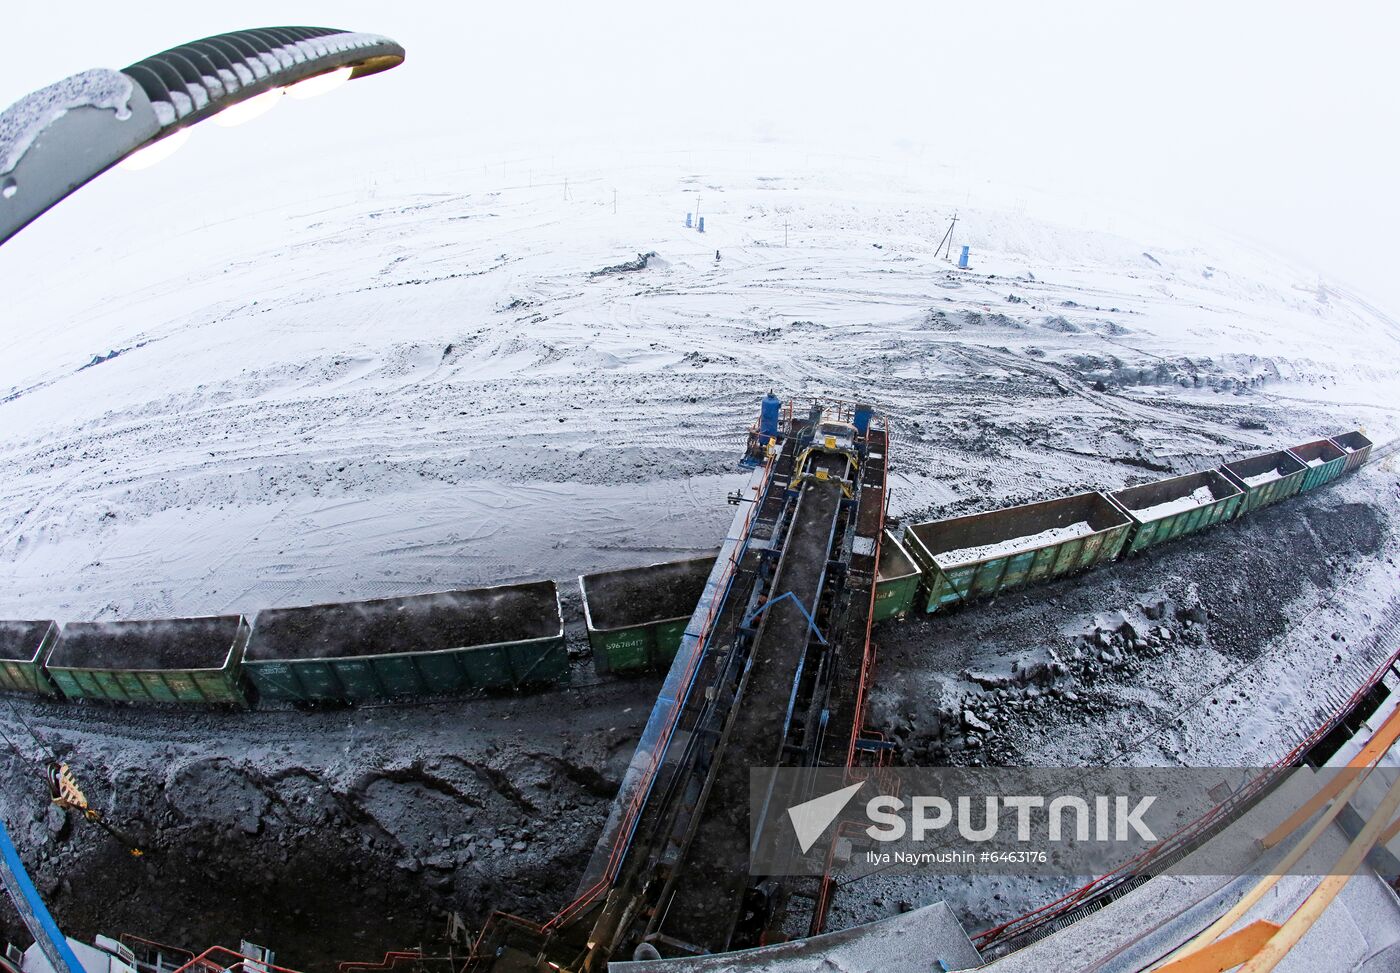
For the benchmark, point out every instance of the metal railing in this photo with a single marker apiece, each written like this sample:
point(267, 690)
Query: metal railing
point(206, 962)
point(1087, 898)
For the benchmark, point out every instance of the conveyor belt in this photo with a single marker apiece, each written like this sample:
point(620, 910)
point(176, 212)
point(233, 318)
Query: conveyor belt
point(676, 702)
point(847, 697)
point(708, 900)
point(747, 689)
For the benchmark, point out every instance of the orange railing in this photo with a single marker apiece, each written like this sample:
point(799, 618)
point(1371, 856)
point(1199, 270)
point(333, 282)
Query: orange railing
point(391, 960)
point(128, 940)
point(241, 964)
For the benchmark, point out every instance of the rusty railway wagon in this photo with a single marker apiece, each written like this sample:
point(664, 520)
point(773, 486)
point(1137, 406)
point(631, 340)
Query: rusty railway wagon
point(983, 554)
point(512, 636)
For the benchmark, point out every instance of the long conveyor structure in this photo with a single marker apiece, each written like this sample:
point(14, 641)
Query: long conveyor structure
point(771, 672)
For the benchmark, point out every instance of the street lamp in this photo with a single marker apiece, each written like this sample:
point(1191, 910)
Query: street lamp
point(60, 137)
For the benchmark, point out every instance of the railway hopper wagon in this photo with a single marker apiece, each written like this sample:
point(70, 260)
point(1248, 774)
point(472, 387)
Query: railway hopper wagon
point(168, 660)
point(636, 616)
point(1175, 507)
point(422, 645)
point(1356, 446)
point(1265, 479)
point(1324, 459)
point(986, 553)
point(23, 648)
point(896, 580)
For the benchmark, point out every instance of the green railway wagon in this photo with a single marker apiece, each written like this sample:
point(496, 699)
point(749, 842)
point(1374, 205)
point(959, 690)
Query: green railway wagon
point(23, 646)
point(1167, 509)
point(637, 616)
point(986, 553)
point(1265, 479)
point(896, 580)
point(1325, 461)
point(171, 660)
point(1356, 446)
point(488, 639)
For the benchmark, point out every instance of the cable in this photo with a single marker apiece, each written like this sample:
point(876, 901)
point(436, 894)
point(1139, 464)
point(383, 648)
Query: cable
point(31, 731)
point(20, 754)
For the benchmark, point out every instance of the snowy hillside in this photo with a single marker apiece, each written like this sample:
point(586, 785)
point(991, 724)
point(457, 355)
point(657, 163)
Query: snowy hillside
point(455, 379)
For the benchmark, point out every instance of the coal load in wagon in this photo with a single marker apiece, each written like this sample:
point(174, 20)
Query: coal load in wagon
point(156, 660)
point(486, 638)
point(636, 617)
point(23, 645)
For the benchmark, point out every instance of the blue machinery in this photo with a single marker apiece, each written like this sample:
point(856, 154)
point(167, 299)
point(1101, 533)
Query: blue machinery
point(32, 909)
point(811, 622)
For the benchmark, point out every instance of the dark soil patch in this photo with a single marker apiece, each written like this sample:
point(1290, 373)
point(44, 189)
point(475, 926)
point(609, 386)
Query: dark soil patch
point(383, 824)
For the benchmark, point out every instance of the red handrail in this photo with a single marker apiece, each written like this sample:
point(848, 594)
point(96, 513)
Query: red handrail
point(204, 961)
point(127, 939)
point(391, 959)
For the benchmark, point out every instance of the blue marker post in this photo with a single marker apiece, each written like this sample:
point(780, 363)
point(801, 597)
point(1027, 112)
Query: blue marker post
point(962, 259)
point(702, 224)
point(32, 909)
point(689, 220)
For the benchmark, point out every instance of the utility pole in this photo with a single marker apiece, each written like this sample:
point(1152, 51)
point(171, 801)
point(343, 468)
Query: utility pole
point(947, 238)
point(785, 233)
point(614, 202)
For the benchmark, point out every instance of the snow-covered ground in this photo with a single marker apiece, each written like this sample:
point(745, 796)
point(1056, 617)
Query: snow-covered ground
point(447, 378)
point(428, 383)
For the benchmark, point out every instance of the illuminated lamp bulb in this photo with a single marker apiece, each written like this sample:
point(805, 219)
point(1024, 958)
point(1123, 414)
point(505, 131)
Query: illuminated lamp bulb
point(246, 111)
point(156, 151)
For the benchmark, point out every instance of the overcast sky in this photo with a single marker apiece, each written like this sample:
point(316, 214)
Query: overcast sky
point(1274, 121)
